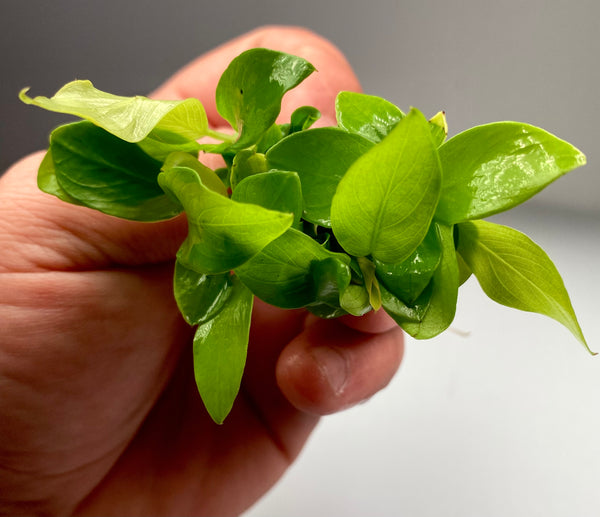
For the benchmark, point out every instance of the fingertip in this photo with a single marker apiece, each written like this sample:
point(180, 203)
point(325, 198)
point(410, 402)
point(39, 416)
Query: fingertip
point(199, 78)
point(373, 322)
point(330, 367)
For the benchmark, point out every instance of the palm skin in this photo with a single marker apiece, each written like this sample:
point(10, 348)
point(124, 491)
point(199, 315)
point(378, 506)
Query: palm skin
point(99, 413)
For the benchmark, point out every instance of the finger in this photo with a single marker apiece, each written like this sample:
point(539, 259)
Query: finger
point(38, 231)
point(330, 367)
point(199, 79)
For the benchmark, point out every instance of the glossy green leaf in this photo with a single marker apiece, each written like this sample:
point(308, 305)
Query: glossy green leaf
point(160, 143)
point(47, 182)
point(199, 297)
point(514, 271)
point(491, 168)
point(366, 115)
point(384, 204)
point(223, 234)
point(355, 300)
point(439, 128)
point(220, 348)
point(403, 313)
point(250, 90)
point(275, 190)
point(464, 271)
point(433, 311)
point(303, 118)
point(129, 118)
point(246, 163)
point(275, 133)
point(321, 157)
point(208, 177)
point(281, 273)
point(407, 279)
point(330, 278)
point(440, 304)
point(108, 174)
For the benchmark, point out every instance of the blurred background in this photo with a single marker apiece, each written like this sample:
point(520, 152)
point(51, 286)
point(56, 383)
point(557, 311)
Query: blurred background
point(499, 415)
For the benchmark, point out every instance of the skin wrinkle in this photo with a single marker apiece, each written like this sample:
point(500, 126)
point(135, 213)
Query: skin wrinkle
point(135, 388)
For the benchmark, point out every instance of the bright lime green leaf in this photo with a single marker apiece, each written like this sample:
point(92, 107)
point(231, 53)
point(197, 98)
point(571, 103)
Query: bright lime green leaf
point(160, 143)
point(407, 279)
point(355, 300)
point(103, 172)
point(199, 297)
point(464, 272)
point(366, 115)
point(208, 177)
point(491, 168)
point(440, 303)
point(321, 157)
point(275, 190)
point(514, 271)
point(220, 348)
point(223, 234)
point(439, 128)
point(129, 118)
point(384, 204)
point(281, 273)
point(246, 163)
point(250, 90)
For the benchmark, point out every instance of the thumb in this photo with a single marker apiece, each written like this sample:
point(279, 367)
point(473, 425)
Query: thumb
point(333, 73)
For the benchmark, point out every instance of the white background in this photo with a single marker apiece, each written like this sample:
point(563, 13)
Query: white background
point(499, 416)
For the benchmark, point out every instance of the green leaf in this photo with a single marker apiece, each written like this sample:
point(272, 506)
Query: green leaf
point(199, 297)
point(246, 163)
point(208, 177)
point(281, 273)
point(330, 278)
point(370, 282)
point(160, 143)
point(250, 90)
point(407, 279)
point(129, 118)
point(106, 173)
point(440, 303)
point(366, 115)
point(433, 311)
point(270, 138)
point(356, 300)
point(491, 168)
point(223, 234)
point(439, 128)
point(304, 117)
point(321, 157)
point(47, 182)
point(464, 272)
point(220, 348)
point(385, 203)
point(403, 313)
point(514, 271)
point(275, 190)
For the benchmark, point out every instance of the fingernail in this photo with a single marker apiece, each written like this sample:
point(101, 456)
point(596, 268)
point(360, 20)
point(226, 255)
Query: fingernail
point(333, 365)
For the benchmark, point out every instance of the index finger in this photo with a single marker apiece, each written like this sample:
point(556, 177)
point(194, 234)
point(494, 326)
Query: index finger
point(199, 78)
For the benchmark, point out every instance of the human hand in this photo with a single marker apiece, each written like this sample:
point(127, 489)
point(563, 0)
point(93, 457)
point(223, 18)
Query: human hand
point(99, 413)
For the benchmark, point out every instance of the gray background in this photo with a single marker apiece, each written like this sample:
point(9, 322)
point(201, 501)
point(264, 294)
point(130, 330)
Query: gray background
point(534, 61)
point(499, 416)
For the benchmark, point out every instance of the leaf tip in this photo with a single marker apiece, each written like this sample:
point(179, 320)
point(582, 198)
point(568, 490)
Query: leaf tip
point(24, 97)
